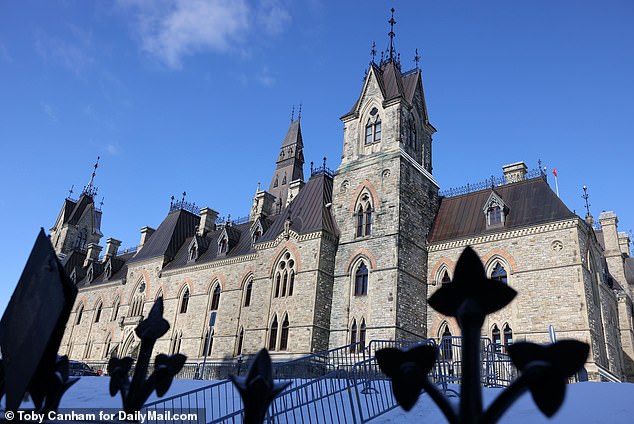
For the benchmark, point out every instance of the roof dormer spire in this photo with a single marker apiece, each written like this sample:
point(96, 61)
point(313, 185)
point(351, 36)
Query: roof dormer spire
point(391, 34)
point(90, 190)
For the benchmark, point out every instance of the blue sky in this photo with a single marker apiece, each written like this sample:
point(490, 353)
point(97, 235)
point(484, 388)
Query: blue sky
point(196, 96)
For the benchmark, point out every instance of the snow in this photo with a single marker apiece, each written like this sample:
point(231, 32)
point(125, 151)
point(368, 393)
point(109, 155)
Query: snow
point(585, 402)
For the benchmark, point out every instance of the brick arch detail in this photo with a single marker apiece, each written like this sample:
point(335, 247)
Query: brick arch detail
point(249, 273)
point(373, 193)
point(493, 253)
point(287, 245)
point(438, 323)
point(360, 253)
point(160, 288)
point(444, 261)
point(186, 283)
point(217, 278)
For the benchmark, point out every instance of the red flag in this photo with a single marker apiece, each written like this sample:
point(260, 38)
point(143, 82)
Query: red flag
point(555, 172)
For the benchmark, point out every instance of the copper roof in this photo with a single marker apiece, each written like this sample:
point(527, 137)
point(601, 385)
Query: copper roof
point(530, 202)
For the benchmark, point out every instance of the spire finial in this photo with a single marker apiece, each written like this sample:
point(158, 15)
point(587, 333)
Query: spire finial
point(259, 189)
point(373, 51)
point(101, 203)
point(324, 163)
point(70, 192)
point(89, 188)
point(416, 58)
point(299, 114)
point(585, 197)
point(183, 199)
point(293, 114)
point(392, 35)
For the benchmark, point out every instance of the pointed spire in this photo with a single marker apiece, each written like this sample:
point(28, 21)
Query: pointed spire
point(391, 35)
point(299, 115)
point(416, 58)
point(293, 114)
point(90, 190)
point(373, 51)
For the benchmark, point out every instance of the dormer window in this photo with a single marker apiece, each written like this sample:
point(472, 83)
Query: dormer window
point(193, 252)
point(89, 276)
point(373, 127)
point(495, 210)
point(223, 246)
point(108, 271)
point(256, 231)
point(82, 238)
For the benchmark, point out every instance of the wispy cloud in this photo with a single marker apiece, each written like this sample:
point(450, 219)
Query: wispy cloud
point(265, 78)
point(76, 56)
point(173, 29)
point(50, 112)
point(113, 149)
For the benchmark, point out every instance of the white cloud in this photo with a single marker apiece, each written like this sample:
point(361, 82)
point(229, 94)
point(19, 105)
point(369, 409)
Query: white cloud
point(75, 56)
point(173, 29)
point(113, 149)
point(265, 78)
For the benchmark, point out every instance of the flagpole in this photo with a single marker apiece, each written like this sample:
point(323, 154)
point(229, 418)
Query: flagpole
point(556, 181)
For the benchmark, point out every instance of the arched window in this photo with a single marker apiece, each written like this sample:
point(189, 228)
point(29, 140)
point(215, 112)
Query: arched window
point(362, 334)
point(508, 336)
point(106, 348)
point(291, 284)
point(377, 129)
point(115, 309)
point(353, 335)
point(445, 277)
point(368, 132)
point(247, 295)
point(495, 215)
point(284, 334)
point(98, 312)
point(159, 293)
point(361, 280)
point(278, 278)
point(363, 216)
point(184, 301)
point(176, 348)
point(273, 334)
point(80, 312)
point(285, 281)
point(208, 343)
point(215, 298)
point(82, 238)
point(256, 235)
point(223, 246)
point(108, 271)
point(495, 335)
point(88, 349)
point(240, 342)
point(499, 273)
point(445, 345)
point(360, 222)
point(193, 252)
point(285, 267)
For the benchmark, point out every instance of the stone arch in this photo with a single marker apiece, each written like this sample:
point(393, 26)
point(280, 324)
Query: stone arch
point(217, 278)
point(492, 263)
point(440, 274)
point(293, 250)
point(358, 255)
point(371, 190)
point(502, 255)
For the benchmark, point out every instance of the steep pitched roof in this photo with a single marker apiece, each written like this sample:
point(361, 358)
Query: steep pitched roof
point(169, 236)
point(293, 135)
point(308, 211)
point(530, 202)
point(78, 209)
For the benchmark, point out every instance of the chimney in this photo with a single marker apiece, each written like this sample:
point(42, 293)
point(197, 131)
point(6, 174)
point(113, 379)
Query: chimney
point(624, 243)
point(92, 254)
point(146, 233)
point(609, 222)
point(263, 204)
point(514, 172)
point(112, 246)
point(293, 190)
point(208, 218)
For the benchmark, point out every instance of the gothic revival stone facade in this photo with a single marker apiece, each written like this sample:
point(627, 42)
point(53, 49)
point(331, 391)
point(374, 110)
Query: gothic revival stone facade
point(352, 255)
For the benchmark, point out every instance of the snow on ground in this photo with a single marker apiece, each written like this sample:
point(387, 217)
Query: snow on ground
point(585, 403)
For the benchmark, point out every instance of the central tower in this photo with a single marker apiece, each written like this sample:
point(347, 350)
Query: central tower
point(386, 199)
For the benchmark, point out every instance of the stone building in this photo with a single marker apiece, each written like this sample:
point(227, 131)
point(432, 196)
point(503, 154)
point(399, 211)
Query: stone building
point(352, 255)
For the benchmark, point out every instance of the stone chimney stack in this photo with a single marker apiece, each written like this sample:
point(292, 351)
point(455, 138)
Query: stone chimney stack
point(624, 243)
point(515, 172)
point(263, 204)
point(609, 222)
point(293, 190)
point(92, 254)
point(208, 218)
point(112, 246)
point(146, 233)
